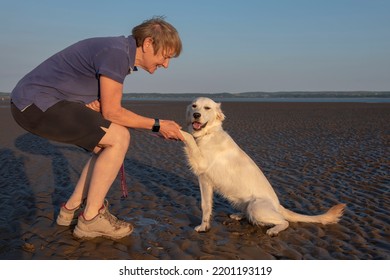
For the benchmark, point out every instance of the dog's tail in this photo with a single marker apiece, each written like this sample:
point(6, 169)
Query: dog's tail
point(332, 216)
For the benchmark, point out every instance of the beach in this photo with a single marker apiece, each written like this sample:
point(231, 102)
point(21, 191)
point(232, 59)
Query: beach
point(315, 155)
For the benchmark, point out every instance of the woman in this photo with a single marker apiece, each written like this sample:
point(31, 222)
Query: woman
point(75, 97)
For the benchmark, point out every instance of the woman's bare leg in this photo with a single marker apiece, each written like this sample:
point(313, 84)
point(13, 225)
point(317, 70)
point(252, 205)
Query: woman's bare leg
point(100, 171)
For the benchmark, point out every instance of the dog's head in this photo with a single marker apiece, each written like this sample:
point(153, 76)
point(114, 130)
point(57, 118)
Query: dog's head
point(203, 114)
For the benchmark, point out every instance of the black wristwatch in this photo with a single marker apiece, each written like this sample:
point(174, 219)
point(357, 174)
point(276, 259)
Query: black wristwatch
point(156, 126)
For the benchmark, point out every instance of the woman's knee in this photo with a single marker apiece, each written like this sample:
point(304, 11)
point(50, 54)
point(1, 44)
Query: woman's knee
point(122, 135)
point(116, 135)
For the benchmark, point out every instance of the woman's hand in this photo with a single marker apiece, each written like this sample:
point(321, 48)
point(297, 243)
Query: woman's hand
point(94, 105)
point(170, 130)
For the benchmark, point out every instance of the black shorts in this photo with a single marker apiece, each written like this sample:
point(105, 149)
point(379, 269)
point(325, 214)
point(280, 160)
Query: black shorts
point(66, 122)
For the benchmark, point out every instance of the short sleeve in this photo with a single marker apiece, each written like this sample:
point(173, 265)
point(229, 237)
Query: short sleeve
point(113, 63)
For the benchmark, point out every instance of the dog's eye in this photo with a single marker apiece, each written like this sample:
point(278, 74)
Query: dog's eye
point(207, 108)
point(193, 105)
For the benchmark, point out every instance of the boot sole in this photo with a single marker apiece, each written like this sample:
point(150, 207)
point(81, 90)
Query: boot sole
point(66, 223)
point(87, 235)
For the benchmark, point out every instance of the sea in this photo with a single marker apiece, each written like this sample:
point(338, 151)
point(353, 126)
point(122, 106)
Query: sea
point(4, 98)
point(277, 99)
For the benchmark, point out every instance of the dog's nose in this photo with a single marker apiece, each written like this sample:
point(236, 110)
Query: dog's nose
point(196, 115)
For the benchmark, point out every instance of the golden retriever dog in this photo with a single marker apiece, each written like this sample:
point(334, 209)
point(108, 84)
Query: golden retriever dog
point(221, 166)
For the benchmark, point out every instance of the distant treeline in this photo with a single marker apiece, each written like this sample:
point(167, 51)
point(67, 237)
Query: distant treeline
point(319, 94)
point(280, 94)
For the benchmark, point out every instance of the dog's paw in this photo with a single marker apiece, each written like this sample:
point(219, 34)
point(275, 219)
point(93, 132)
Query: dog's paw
point(272, 232)
point(202, 228)
point(237, 216)
point(187, 137)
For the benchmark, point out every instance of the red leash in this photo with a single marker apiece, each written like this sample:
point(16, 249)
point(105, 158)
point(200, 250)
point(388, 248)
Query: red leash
point(124, 188)
point(125, 192)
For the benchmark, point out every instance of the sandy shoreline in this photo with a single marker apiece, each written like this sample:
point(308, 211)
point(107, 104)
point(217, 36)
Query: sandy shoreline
point(314, 154)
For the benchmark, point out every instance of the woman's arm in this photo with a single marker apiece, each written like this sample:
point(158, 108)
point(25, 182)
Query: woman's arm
point(112, 110)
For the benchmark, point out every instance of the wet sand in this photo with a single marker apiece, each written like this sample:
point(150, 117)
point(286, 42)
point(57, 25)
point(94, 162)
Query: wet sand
point(314, 154)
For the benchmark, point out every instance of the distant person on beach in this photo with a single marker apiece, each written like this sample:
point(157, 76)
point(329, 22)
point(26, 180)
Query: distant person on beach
point(75, 97)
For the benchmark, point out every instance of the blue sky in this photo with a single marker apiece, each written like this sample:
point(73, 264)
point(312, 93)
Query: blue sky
point(229, 46)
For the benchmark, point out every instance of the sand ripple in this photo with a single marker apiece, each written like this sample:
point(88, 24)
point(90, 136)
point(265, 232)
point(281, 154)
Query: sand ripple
point(314, 154)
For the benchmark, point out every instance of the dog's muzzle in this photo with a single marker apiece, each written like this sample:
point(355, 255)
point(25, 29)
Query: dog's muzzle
point(196, 125)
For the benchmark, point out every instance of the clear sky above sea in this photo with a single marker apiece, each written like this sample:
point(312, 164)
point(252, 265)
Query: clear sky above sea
point(229, 46)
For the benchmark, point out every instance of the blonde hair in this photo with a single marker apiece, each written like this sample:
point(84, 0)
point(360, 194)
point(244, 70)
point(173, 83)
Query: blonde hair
point(163, 34)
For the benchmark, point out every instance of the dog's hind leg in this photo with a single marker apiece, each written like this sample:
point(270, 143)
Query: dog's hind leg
point(263, 212)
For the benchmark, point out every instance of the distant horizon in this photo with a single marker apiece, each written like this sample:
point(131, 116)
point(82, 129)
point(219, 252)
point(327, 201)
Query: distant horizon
point(259, 91)
point(255, 95)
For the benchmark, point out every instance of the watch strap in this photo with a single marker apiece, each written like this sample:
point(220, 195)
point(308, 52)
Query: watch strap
point(156, 126)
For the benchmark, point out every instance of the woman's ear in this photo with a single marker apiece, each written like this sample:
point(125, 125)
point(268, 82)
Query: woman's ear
point(147, 44)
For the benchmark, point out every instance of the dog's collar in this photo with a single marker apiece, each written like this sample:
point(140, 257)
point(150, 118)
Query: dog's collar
point(201, 136)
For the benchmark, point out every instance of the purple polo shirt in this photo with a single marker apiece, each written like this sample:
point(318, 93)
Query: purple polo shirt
point(73, 73)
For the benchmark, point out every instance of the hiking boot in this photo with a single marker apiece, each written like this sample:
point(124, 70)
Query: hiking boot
point(103, 225)
point(68, 217)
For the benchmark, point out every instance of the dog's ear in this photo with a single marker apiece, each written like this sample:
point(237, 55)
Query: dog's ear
point(220, 114)
point(188, 115)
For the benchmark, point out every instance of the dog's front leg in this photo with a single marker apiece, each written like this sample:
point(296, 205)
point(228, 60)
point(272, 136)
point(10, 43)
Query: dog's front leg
point(189, 141)
point(194, 155)
point(206, 192)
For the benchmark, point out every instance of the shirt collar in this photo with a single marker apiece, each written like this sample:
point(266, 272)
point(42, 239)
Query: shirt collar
point(132, 50)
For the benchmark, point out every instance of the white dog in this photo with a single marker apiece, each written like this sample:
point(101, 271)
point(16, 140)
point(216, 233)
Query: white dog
point(222, 166)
